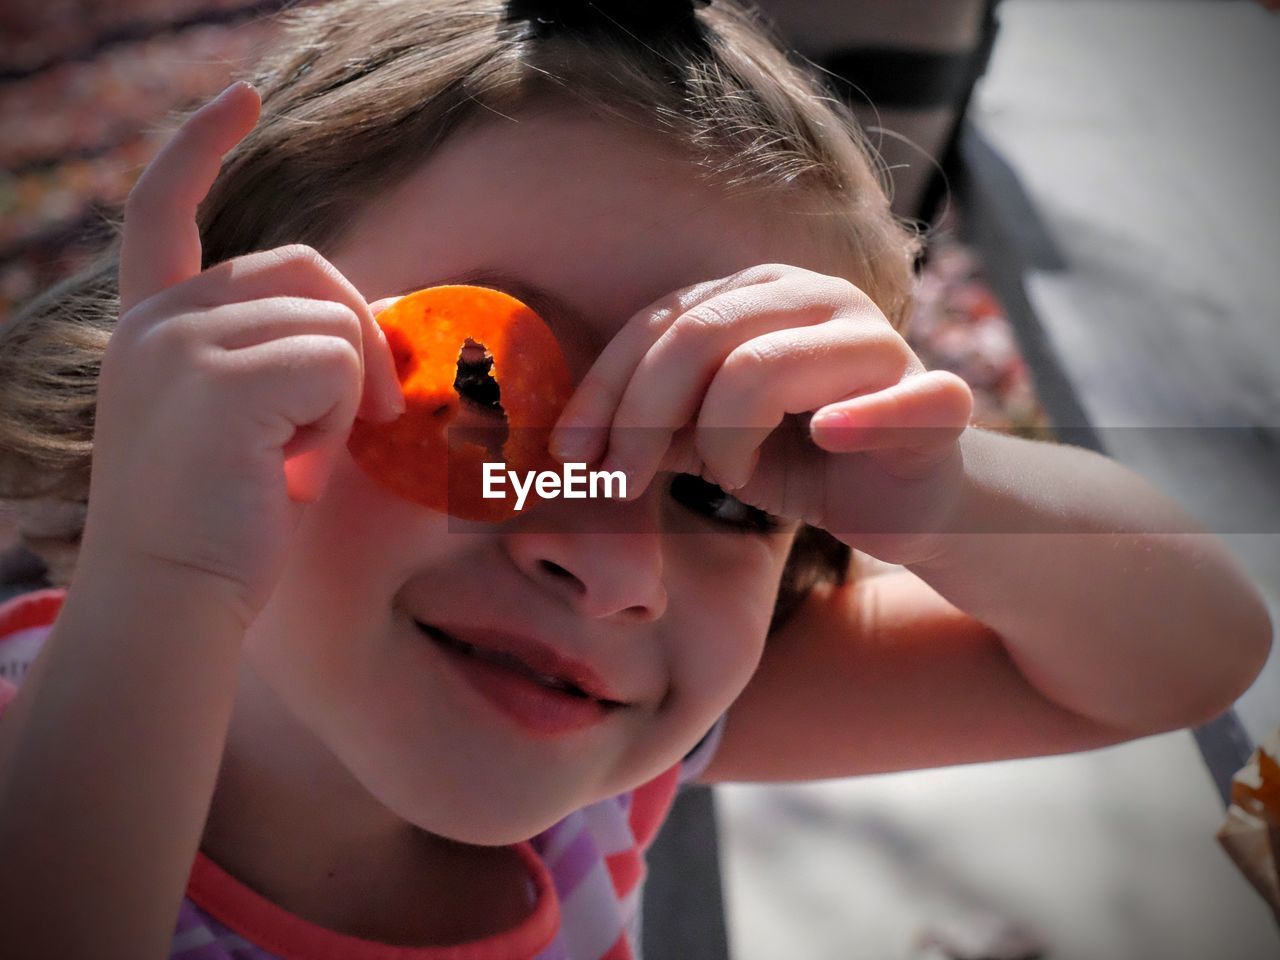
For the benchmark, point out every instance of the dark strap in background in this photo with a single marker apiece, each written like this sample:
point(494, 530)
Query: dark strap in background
point(684, 901)
point(902, 78)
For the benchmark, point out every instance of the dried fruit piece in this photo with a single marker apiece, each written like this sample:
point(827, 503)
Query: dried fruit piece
point(417, 455)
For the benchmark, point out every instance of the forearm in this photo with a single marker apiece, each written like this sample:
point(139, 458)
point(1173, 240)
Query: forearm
point(1109, 598)
point(108, 758)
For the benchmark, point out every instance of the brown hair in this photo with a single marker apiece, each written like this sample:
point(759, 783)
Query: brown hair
point(357, 98)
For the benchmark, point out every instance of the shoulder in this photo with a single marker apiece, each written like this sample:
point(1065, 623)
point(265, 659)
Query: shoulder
point(25, 622)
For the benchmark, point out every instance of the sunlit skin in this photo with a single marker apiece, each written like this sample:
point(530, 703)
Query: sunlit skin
point(376, 735)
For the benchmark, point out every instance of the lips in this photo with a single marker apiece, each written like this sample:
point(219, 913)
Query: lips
point(528, 657)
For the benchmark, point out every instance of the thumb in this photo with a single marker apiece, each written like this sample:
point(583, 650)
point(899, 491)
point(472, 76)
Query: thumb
point(160, 242)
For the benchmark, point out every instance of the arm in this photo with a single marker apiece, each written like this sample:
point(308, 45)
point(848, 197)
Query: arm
point(1077, 602)
point(108, 758)
point(224, 396)
point(1110, 599)
point(1007, 645)
point(892, 677)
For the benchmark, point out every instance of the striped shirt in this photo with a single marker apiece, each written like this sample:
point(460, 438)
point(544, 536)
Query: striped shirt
point(586, 872)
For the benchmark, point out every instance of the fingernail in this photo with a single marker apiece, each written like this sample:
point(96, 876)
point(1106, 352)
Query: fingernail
point(634, 489)
point(393, 392)
point(230, 91)
point(394, 398)
point(395, 401)
point(737, 481)
point(833, 418)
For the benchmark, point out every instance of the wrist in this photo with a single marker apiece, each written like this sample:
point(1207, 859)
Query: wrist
point(971, 509)
point(112, 583)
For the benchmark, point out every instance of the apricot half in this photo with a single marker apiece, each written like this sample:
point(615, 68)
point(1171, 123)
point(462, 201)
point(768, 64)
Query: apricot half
point(424, 455)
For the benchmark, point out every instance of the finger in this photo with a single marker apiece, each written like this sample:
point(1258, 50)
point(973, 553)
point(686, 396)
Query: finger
point(667, 387)
point(582, 430)
point(308, 387)
point(786, 372)
point(303, 271)
point(384, 365)
point(236, 326)
point(297, 270)
point(160, 242)
point(909, 424)
point(681, 455)
point(789, 372)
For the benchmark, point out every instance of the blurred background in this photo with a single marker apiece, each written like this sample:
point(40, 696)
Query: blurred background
point(1098, 182)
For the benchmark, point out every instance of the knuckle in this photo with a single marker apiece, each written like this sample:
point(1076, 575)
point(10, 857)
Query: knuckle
point(136, 320)
point(307, 258)
point(856, 301)
point(301, 254)
point(763, 272)
point(311, 261)
point(846, 290)
point(736, 385)
point(298, 251)
point(303, 311)
point(336, 311)
point(659, 320)
point(705, 319)
point(886, 348)
point(174, 336)
point(335, 357)
point(749, 360)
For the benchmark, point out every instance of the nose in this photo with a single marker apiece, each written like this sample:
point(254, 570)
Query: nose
point(604, 560)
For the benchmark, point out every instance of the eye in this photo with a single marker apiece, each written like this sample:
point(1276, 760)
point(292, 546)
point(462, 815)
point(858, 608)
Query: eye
point(708, 500)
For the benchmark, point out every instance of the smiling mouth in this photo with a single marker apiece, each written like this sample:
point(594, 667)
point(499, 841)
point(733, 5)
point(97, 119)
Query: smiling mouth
point(513, 663)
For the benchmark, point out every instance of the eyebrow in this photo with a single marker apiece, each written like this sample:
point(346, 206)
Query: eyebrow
point(566, 321)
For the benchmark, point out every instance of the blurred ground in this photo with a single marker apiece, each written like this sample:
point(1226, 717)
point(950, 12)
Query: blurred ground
point(1102, 856)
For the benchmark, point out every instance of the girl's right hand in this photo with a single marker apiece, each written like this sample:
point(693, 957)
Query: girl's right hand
point(225, 395)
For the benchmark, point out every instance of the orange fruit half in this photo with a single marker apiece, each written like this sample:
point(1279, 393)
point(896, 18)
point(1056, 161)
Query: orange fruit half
point(425, 455)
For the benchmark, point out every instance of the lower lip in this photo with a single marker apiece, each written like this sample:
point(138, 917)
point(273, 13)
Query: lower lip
point(536, 709)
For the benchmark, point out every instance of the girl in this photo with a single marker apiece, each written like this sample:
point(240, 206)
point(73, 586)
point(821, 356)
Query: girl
point(295, 715)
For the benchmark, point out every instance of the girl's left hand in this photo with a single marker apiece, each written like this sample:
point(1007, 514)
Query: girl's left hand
point(789, 389)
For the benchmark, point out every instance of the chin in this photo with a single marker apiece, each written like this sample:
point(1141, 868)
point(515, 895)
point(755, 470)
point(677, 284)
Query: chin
point(494, 835)
point(488, 818)
point(489, 828)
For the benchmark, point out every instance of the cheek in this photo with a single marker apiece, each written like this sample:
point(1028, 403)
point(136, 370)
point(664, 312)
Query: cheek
point(731, 604)
point(358, 546)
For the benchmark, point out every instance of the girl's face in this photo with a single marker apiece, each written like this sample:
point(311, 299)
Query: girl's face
point(664, 598)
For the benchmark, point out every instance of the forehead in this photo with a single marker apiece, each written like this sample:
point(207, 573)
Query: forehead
point(601, 217)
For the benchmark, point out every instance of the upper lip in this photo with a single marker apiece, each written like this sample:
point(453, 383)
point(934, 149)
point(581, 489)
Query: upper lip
point(537, 656)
